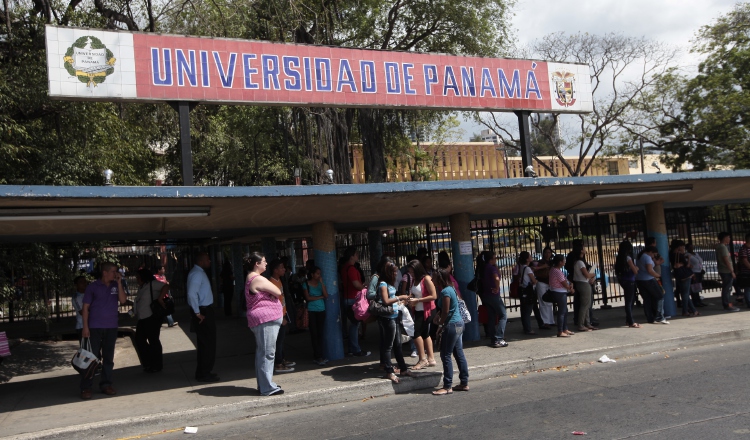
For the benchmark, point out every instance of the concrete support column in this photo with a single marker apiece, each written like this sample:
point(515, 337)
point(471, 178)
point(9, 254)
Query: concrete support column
point(375, 243)
point(656, 226)
point(238, 299)
point(324, 251)
point(463, 269)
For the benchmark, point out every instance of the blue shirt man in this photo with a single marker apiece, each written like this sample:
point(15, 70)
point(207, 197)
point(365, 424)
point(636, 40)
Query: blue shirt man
point(201, 298)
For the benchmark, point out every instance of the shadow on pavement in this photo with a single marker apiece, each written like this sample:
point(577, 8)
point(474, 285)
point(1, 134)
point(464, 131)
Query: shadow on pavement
point(226, 391)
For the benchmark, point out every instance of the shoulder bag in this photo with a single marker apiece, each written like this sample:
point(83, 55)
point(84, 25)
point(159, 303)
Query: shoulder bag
point(377, 308)
point(156, 308)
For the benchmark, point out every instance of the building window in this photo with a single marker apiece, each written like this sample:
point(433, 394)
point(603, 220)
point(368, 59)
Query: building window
point(612, 168)
point(460, 162)
point(633, 164)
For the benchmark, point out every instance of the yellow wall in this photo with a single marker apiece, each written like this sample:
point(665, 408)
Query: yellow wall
point(480, 160)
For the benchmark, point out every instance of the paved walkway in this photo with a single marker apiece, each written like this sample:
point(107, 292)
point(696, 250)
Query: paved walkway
point(44, 402)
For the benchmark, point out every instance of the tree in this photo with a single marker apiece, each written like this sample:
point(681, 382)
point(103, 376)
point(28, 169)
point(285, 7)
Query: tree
point(622, 69)
point(704, 120)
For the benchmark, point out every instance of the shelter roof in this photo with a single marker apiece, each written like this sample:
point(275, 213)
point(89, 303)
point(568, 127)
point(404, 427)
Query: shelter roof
point(74, 213)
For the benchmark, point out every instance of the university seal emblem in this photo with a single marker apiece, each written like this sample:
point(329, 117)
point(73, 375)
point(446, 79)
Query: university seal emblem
point(89, 60)
point(565, 90)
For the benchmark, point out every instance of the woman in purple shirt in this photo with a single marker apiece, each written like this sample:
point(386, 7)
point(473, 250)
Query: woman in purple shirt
point(264, 315)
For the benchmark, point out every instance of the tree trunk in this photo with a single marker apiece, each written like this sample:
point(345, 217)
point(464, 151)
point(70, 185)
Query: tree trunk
point(371, 129)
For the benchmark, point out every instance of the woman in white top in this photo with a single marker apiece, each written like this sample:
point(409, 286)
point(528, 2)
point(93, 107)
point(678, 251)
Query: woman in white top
point(583, 280)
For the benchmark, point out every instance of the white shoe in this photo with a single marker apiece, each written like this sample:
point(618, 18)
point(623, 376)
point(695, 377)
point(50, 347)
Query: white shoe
point(413, 354)
point(664, 322)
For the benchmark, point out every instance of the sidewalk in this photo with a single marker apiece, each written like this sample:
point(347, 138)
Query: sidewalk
point(45, 404)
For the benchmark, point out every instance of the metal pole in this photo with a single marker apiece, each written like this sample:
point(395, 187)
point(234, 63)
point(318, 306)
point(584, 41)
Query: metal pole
point(429, 239)
point(731, 236)
point(183, 109)
point(643, 168)
point(600, 250)
point(525, 138)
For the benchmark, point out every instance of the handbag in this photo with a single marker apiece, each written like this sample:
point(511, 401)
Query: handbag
point(156, 308)
point(361, 306)
point(84, 361)
point(682, 273)
point(547, 297)
point(376, 308)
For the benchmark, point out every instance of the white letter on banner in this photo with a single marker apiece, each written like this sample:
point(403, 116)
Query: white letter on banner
point(159, 79)
point(185, 67)
point(248, 71)
point(227, 77)
point(450, 82)
point(531, 84)
point(346, 77)
point(487, 83)
point(430, 77)
point(514, 88)
point(392, 78)
point(367, 75)
point(408, 77)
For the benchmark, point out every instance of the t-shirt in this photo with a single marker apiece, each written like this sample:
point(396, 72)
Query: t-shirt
point(557, 280)
point(103, 303)
point(696, 262)
point(577, 274)
point(316, 291)
point(372, 288)
point(349, 273)
point(416, 290)
point(143, 298)
point(643, 274)
point(721, 254)
point(453, 315)
point(744, 253)
point(391, 294)
point(78, 306)
point(488, 280)
point(524, 279)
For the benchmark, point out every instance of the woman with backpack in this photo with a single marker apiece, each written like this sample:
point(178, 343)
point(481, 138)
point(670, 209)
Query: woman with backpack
point(526, 292)
point(451, 338)
point(626, 270)
point(315, 294)
point(390, 332)
point(423, 296)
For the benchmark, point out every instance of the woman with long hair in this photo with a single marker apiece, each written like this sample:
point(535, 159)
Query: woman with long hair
point(315, 294)
point(264, 317)
point(390, 331)
point(149, 326)
point(451, 342)
point(583, 279)
point(423, 297)
point(559, 286)
point(626, 270)
point(541, 273)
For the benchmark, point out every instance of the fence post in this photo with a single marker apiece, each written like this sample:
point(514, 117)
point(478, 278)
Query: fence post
point(731, 235)
point(600, 250)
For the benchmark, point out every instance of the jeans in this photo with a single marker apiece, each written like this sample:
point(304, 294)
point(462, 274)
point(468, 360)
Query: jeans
point(390, 343)
point(353, 328)
point(528, 305)
point(452, 343)
point(561, 299)
point(103, 339)
point(316, 322)
point(147, 342)
point(684, 289)
point(495, 309)
point(696, 296)
point(170, 321)
point(280, 342)
point(583, 294)
point(265, 354)
point(628, 288)
point(653, 295)
point(726, 289)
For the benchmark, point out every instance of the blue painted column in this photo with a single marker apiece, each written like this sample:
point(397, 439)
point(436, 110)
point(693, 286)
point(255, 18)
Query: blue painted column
point(238, 299)
point(656, 226)
point(324, 251)
point(463, 269)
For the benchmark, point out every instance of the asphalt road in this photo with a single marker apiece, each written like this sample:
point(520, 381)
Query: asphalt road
point(691, 393)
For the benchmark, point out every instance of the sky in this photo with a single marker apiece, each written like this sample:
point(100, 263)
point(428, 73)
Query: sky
point(671, 21)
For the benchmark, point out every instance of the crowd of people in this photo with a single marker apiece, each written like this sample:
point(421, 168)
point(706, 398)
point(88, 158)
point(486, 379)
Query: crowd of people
point(417, 304)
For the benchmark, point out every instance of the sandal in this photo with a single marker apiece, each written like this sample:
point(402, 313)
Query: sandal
point(420, 365)
point(442, 392)
point(635, 325)
point(392, 377)
point(461, 388)
point(431, 363)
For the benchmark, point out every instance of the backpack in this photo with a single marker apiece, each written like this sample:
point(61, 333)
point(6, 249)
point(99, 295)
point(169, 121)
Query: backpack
point(515, 284)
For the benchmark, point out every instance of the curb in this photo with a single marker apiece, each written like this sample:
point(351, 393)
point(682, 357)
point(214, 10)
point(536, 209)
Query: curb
point(367, 389)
